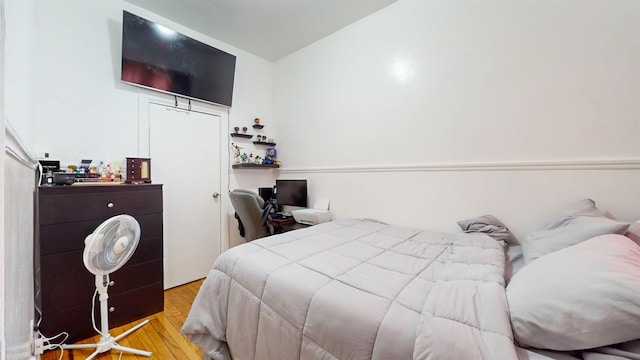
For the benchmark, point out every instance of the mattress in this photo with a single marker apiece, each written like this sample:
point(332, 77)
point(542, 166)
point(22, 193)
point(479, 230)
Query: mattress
point(356, 289)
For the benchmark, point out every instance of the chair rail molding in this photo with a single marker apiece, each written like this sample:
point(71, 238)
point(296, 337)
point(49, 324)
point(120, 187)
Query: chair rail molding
point(16, 149)
point(611, 164)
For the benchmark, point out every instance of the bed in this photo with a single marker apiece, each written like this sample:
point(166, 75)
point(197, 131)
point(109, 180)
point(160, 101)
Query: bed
point(362, 289)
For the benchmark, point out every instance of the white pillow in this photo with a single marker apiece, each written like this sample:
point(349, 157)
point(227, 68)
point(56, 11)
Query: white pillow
point(579, 222)
point(581, 297)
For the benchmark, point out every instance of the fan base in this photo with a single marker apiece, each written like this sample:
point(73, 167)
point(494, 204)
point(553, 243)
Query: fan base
point(109, 342)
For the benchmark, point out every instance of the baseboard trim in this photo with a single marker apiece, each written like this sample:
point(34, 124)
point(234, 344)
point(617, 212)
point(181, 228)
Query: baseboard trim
point(627, 164)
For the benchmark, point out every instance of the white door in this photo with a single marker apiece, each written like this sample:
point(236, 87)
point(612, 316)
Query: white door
point(185, 156)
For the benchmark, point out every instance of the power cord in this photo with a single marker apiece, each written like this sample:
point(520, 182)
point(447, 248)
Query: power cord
point(43, 343)
point(228, 152)
point(93, 313)
point(36, 275)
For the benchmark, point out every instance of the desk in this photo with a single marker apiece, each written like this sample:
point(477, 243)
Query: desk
point(281, 226)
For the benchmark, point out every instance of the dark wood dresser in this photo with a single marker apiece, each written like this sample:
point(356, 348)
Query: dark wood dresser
point(65, 216)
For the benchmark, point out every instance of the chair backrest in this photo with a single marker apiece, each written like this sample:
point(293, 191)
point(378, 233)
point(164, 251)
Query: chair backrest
point(249, 207)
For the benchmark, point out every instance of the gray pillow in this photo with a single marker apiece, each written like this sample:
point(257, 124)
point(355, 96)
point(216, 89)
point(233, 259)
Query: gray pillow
point(581, 297)
point(513, 261)
point(579, 222)
point(488, 224)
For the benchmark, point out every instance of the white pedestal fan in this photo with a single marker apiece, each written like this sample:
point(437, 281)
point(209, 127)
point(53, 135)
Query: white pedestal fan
point(106, 250)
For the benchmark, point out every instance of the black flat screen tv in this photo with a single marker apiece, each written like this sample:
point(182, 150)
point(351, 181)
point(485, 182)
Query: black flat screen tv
point(159, 58)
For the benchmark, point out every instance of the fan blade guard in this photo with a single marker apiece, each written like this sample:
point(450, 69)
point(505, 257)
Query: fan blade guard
point(111, 245)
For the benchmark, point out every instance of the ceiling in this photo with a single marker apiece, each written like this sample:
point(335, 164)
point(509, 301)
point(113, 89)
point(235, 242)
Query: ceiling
point(270, 29)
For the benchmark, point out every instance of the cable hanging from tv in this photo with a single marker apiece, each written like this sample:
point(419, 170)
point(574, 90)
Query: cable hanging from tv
point(177, 107)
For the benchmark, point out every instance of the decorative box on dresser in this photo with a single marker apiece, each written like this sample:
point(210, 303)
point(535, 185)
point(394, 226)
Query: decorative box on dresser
point(66, 215)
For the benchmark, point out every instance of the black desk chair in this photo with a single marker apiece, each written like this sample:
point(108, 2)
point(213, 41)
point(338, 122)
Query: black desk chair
point(253, 216)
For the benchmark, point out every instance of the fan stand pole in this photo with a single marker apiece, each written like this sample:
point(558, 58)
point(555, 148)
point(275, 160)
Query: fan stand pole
point(108, 342)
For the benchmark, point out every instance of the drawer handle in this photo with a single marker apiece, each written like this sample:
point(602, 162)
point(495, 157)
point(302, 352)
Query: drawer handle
point(111, 283)
point(112, 309)
point(110, 205)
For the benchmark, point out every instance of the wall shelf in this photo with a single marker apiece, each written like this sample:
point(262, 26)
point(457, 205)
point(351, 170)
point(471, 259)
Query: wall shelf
point(246, 136)
point(264, 143)
point(258, 126)
point(254, 166)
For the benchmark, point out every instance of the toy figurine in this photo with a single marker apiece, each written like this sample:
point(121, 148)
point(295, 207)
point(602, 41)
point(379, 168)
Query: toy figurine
point(258, 159)
point(245, 158)
point(236, 153)
point(271, 153)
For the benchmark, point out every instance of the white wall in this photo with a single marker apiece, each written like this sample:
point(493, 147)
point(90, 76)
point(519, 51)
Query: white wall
point(19, 61)
point(382, 115)
point(436, 199)
point(2, 165)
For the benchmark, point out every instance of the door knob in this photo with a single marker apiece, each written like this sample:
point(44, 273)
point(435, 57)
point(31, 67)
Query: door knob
point(216, 195)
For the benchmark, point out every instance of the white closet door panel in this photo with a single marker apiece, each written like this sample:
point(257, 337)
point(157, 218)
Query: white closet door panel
point(185, 157)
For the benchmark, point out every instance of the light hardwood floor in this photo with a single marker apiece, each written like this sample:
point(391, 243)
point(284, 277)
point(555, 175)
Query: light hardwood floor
point(161, 336)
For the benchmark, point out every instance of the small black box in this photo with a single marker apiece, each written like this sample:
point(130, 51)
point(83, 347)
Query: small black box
point(266, 193)
point(61, 178)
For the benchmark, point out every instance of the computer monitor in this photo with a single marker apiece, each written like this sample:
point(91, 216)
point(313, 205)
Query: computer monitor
point(291, 192)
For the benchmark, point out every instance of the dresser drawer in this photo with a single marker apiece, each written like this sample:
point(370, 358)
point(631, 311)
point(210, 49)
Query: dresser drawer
point(76, 320)
point(149, 249)
point(135, 276)
point(63, 294)
point(136, 304)
point(75, 206)
point(56, 238)
point(69, 265)
point(58, 295)
point(61, 267)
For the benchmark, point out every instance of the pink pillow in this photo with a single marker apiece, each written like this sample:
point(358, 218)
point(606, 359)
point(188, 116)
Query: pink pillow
point(633, 232)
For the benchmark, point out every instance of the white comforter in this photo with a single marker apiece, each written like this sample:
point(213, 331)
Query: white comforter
point(356, 289)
